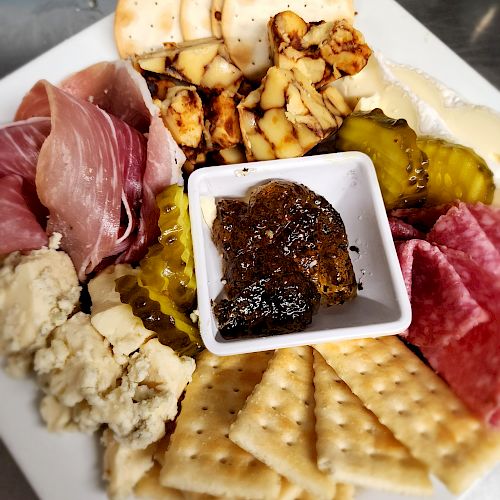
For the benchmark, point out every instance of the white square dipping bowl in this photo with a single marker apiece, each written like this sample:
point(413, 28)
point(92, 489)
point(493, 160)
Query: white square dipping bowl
point(348, 181)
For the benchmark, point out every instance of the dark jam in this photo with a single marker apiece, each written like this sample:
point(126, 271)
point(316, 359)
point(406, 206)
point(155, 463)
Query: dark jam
point(285, 253)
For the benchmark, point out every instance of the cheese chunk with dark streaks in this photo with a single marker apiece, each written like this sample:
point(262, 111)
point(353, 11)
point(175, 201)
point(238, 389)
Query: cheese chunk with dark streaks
point(323, 51)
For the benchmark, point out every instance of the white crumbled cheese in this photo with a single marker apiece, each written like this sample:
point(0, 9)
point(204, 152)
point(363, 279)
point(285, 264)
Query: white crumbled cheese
point(195, 316)
point(56, 416)
point(124, 466)
point(78, 363)
point(136, 410)
point(38, 292)
point(113, 319)
point(55, 241)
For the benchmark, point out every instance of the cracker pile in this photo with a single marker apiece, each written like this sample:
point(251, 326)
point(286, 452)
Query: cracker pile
point(314, 423)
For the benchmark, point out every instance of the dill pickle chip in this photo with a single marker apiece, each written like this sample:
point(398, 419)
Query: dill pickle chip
point(456, 172)
point(168, 268)
point(159, 315)
point(164, 290)
point(392, 146)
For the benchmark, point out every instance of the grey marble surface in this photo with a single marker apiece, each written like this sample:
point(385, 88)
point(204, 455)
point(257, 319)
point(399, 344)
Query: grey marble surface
point(30, 27)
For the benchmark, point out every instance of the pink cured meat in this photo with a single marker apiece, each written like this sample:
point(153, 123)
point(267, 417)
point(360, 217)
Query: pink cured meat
point(471, 368)
point(460, 230)
point(118, 89)
point(488, 218)
point(421, 218)
point(435, 289)
point(20, 145)
point(19, 229)
point(400, 230)
point(471, 364)
point(80, 173)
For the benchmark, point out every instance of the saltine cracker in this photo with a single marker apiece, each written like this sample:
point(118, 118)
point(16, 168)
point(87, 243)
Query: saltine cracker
point(195, 19)
point(142, 25)
point(353, 446)
point(418, 408)
point(216, 17)
point(277, 423)
point(201, 458)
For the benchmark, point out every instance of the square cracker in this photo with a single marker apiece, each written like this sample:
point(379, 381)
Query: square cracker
point(216, 17)
point(142, 25)
point(277, 423)
point(195, 19)
point(418, 408)
point(353, 446)
point(201, 458)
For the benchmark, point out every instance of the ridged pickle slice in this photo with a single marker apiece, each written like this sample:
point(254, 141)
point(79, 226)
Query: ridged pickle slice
point(168, 267)
point(392, 146)
point(160, 315)
point(456, 172)
point(164, 290)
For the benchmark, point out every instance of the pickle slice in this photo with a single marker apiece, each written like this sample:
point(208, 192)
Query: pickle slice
point(164, 290)
point(456, 172)
point(159, 314)
point(392, 146)
point(168, 267)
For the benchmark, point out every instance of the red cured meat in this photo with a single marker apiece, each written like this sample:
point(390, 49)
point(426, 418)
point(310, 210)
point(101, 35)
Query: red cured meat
point(80, 175)
point(471, 366)
point(489, 219)
point(20, 145)
point(117, 89)
point(402, 231)
point(19, 228)
point(421, 218)
point(459, 229)
point(443, 310)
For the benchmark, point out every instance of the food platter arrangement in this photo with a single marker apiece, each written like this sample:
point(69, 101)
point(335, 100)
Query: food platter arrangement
point(101, 289)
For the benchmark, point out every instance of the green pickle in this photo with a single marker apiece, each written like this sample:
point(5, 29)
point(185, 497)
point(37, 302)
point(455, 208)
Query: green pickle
point(392, 146)
point(168, 267)
point(164, 290)
point(173, 327)
point(456, 172)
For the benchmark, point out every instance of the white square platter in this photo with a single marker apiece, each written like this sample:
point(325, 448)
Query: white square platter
point(68, 466)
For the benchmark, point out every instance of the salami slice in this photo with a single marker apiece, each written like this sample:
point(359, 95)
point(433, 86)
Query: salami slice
point(459, 229)
point(443, 309)
point(402, 231)
point(489, 220)
point(471, 366)
point(421, 218)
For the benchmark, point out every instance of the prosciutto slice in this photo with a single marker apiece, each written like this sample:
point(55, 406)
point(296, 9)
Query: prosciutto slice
point(103, 197)
point(22, 225)
point(80, 176)
point(20, 145)
point(19, 228)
